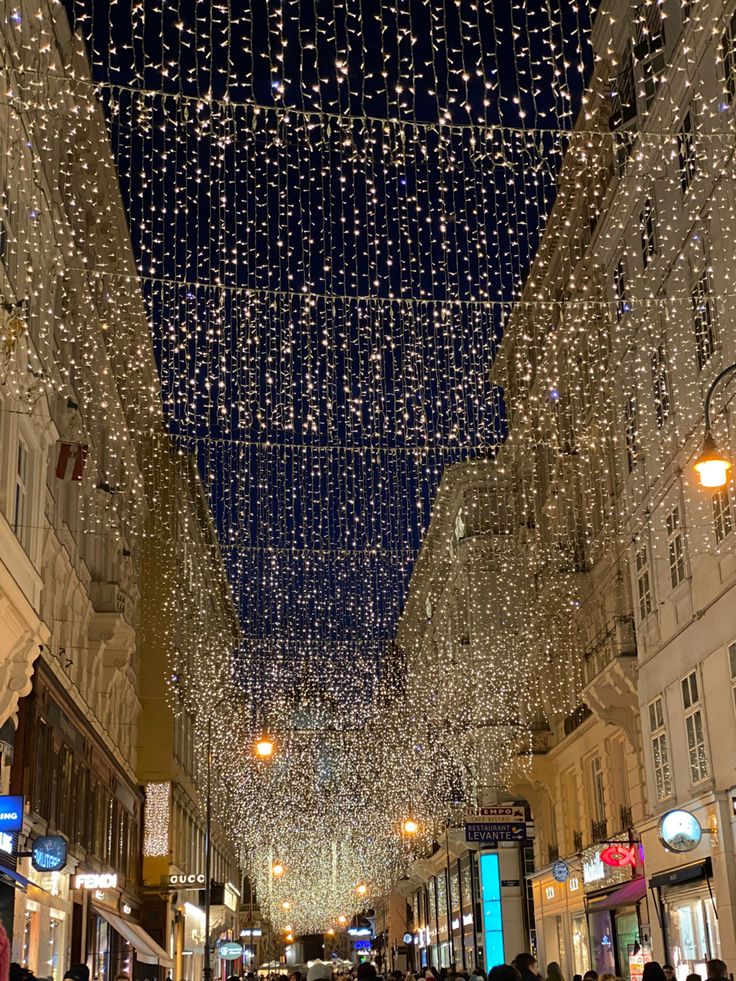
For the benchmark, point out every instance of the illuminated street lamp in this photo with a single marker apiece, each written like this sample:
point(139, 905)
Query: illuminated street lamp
point(342, 920)
point(286, 905)
point(712, 466)
point(264, 747)
point(410, 826)
point(361, 889)
point(277, 869)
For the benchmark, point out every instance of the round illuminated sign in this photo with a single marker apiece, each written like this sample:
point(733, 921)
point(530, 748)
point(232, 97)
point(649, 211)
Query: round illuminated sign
point(561, 871)
point(49, 853)
point(230, 951)
point(680, 831)
point(408, 937)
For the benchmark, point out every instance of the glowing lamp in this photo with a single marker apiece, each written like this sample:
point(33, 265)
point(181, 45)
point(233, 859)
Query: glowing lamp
point(277, 869)
point(264, 747)
point(286, 905)
point(410, 826)
point(289, 938)
point(362, 889)
point(711, 466)
point(342, 920)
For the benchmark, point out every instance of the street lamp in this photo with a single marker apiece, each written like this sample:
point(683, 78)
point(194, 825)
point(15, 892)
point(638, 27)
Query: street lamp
point(277, 869)
point(410, 826)
point(712, 466)
point(361, 889)
point(264, 747)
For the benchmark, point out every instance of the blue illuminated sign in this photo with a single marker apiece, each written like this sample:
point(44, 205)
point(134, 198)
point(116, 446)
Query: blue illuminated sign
point(11, 813)
point(49, 853)
point(490, 891)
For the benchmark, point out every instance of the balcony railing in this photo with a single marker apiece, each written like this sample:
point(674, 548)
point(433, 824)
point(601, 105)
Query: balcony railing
point(625, 818)
point(598, 831)
point(553, 852)
point(577, 841)
point(616, 639)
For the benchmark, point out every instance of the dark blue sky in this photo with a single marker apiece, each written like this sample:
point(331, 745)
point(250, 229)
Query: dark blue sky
point(328, 287)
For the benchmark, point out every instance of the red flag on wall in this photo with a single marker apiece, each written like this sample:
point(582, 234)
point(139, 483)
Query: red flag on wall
point(71, 461)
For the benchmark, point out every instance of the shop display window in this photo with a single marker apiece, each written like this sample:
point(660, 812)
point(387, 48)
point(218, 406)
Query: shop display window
point(693, 934)
point(580, 944)
point(627, 936)
point(601, 942)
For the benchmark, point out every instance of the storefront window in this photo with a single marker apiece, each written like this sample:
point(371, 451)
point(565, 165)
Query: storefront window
point(580, 945)
point(627, 935)
point(693, 934)
point(56, 965)
point(99, 954)
point(30, 937)
point(601, 942)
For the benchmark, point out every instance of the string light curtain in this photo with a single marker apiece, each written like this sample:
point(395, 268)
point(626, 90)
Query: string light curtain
point(334, 211)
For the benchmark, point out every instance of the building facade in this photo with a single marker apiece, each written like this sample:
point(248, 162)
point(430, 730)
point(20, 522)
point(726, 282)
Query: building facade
point(80, 510)
point(625, 319)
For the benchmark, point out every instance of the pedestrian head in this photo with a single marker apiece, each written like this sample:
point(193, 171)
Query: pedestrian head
point(653, 972)
point(553, 972)
point(526, 963)
point(669, 972)
point(694, 977)
point(590, 975)
point(716, 970)
point(366, 972)
point(577, 977)
point(504, 972)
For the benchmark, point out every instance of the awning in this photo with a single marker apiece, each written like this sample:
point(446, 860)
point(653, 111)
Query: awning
point(15, 878)
point(146, 949)
point(685, 873)
point(629, 894)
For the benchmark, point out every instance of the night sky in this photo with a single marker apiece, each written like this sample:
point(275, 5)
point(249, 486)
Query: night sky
point(328, 289)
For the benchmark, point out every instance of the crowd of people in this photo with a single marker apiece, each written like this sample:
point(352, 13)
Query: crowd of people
point(524, 967)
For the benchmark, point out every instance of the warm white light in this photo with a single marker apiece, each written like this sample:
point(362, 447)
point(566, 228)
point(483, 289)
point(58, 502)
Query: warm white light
point(277, 869)
point(264, 747)
point(410, 826)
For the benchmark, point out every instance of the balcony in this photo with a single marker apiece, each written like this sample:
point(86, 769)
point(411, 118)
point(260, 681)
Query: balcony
point(598, 831)
point(553, 853)
point(616, 639)
point(577, 841)
point(626, 821)
point(609, 676)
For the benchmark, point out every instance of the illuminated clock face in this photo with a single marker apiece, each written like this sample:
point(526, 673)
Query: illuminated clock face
point(680, 831)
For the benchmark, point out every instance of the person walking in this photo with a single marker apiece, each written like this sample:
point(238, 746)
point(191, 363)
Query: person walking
point(554, 973)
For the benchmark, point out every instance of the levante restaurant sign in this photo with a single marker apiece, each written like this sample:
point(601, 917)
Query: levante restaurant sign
point(488, 825)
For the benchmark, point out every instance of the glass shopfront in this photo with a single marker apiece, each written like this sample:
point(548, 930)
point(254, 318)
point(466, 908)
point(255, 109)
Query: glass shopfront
point(580, 944)
point(692, 929)
point(627, 936)
point(601, 941)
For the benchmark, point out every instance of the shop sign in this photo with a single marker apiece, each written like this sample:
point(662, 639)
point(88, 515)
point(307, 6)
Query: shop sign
point(127, 909)
point(560, 871)
point(228, 950)
point(11, 813)
point(183, 881)
point(619, 855)
point(49, 853)
point(6, 843)
point(493, 824)
point(96, 880)
point(407, 938)
point(230, 896)
point(251, 932)
point(362, 945)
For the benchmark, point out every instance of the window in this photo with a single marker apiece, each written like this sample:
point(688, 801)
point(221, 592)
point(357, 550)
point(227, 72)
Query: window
point(648, 229)
point(20, 500)
point(620, 282)
point(661, 384)
point(660, 751)
point(631, 421)
point(722, 517)
point(623, 92)
point(598, 789)
point(649, 28)
point(651, 75)
point(643, 582)
point(686, 151)
point(675, 548)
point(728, 52)
point(694, 728)
point(703, 324)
